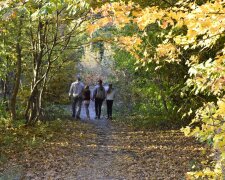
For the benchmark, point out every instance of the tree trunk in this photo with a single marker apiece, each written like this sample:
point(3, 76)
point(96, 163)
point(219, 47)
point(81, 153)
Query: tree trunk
point(5, 92)
point(17, 74)
point(44, 86)
point(16, 83)
point(164, 101)
point(42, 59)
point(33, 110)
point(4, 89)
point(163, 98)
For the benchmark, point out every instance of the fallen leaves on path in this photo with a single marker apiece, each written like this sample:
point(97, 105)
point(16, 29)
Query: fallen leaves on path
point(96, 151)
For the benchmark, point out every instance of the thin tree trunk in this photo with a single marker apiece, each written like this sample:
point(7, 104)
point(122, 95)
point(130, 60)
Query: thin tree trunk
point(6, 93)
point(33, 102)
point(17, 75)
point(159, 82)
point(4, 90)
point(41, 49)
point(164, 101)
point(32, 110)
point(17, 83)
point(2, 87)
point(5, 87)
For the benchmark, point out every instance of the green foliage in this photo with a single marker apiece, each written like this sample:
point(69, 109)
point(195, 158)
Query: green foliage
point(55, 111)
point(58, 85)
point(3, 111)
point(38, 33)
point(153, 93)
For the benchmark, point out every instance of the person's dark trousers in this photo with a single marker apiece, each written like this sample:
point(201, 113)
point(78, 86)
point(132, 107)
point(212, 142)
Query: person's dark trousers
point(98, 107)
point(77, 102)
point(86, 105)
point(109, 104)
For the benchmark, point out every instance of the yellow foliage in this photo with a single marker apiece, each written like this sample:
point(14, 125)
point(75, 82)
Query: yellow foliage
point(129, 42)
point(221, 107)
point(186, 130)
point(205, 24)
point(91, 28)
point(167, 50)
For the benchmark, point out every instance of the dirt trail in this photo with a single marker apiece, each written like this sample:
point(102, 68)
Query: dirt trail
point(120, 153)
point(103, 150)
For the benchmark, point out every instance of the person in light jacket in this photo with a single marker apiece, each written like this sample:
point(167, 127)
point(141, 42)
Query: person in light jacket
point(110, 95)
point(75, 93)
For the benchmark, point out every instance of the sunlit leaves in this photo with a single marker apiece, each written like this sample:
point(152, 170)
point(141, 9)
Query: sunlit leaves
point(187, 27)
point(205, 26)
point(148, 16)
point(170, 51)
point(211, 131)
point(111, 14)
point(69, 8)
point(129, 42)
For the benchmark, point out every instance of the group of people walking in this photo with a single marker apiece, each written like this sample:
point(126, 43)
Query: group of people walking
point(81, 94)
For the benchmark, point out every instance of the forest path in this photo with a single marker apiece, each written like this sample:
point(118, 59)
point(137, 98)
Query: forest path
point(105, 150)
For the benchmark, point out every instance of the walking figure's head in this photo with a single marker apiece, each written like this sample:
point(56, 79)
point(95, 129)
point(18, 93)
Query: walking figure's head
point(109, 89)
point(100, 82)
point(78, 78)
point(86, 87)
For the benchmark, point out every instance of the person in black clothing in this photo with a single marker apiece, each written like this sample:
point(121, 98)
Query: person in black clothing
point(86, 100)
point(109, 100)
point(99, 96)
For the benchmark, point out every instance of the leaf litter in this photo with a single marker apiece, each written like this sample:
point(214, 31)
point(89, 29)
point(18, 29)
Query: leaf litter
point(104, 150)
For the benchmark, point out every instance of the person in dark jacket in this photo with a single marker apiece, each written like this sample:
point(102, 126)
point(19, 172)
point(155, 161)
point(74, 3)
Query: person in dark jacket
point(86, 100)
point(99, 95)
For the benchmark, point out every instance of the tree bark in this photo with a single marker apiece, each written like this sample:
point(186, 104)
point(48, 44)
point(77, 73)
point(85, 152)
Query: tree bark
point(4, 87)
point(17, 83)
point(31, 113)
point(159, 82)
point(17, 75)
